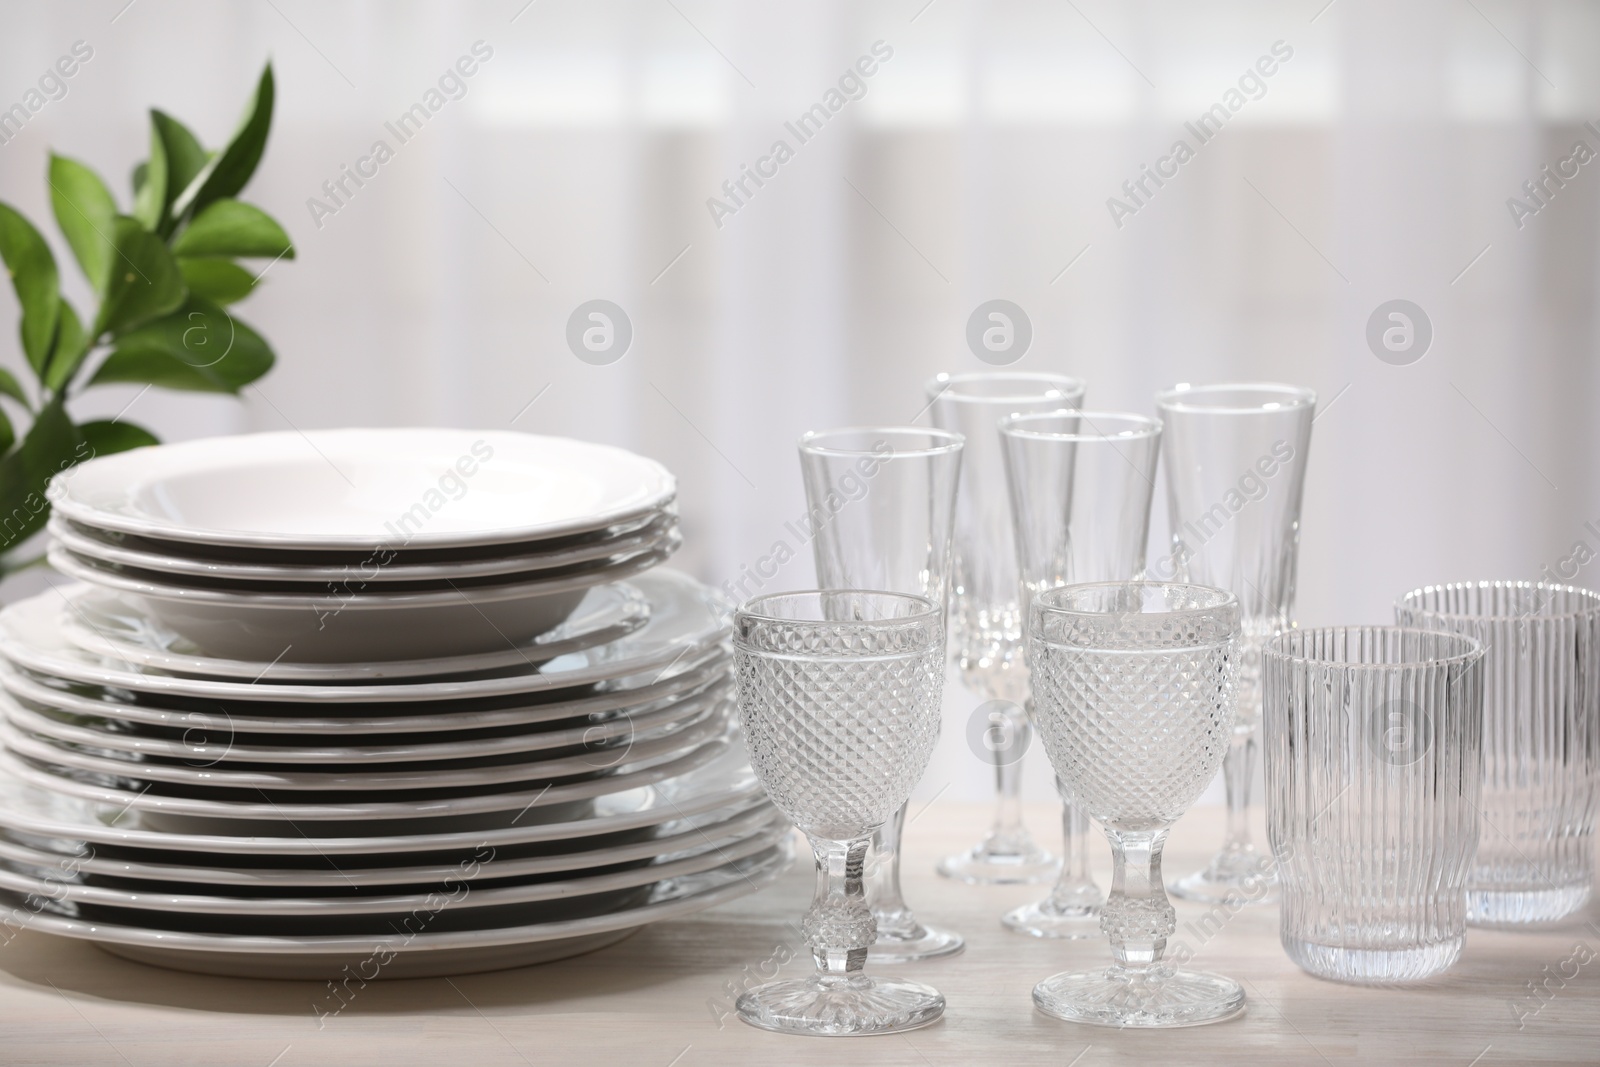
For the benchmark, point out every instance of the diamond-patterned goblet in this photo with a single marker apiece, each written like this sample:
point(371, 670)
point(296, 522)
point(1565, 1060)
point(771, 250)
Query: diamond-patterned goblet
point(1133, 698)
point(1081, 484)
point(890, 492)
point(839, 698)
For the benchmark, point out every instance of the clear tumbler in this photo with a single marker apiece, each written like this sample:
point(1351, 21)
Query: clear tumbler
point(1373, 745)
point(1541, 741)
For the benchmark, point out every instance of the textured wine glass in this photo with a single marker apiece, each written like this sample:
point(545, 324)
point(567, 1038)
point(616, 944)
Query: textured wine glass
point(1081, 484)
point(1373, 768)
point(986, 612)
point(1541, 741)
point(1235, 457)
point(839, 700)
point(1133, 698)
point(882, 503)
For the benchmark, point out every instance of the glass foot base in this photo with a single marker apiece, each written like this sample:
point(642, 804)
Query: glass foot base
point(1233, 876)
point(1524, 907)
point(840, 1006)
point(1163, 999)
point(1043, 919)
point(912, 943)
point(1372, 966)
point(1017, 862)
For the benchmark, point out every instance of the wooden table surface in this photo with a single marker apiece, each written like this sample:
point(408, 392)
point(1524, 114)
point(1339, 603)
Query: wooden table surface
point(659, 998)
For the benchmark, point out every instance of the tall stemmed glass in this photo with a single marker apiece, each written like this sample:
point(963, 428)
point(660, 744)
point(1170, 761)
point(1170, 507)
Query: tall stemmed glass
point(986, 614)
point(1236, 467)
point(1133, 698)
point(839, 699)
point(882, 502)
point(1081, 484)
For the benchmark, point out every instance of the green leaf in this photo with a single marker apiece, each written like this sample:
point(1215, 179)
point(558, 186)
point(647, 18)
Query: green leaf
point(150, 198)
point(105, 436)
point(52, 445)
point(184, 159)
point(200, 347)
point(145, 282)
point(137, 177)
point(8, 433)
point(228, 172)
point(13, 388)
point(38, 286)
point(72, 344)
point(233, 228)
point(216, 279)
point(84, 211)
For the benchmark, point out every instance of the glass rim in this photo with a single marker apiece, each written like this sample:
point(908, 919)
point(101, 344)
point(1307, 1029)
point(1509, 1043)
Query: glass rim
point(952, 441)
point(942, 386)
point(1294, 397)
point(1593, 598)
point(750, 609)
point(1217, 598)
point(1143, 427)
point(1471, 648)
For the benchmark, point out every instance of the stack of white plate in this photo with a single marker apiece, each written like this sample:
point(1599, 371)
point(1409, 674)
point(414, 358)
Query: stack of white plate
point(401, 701)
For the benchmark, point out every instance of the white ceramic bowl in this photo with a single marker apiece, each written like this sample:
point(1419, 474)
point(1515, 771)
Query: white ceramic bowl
point(359, 488)
point(340, 627)
point(167, 558)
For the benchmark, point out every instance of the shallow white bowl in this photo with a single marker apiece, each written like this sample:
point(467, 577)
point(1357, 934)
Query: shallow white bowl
point(403, 488)
point(168, 558)
point(101, 623)
point(333, 627)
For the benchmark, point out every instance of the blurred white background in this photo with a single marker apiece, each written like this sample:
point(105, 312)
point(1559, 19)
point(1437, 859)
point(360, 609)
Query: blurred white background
point(1376, 164)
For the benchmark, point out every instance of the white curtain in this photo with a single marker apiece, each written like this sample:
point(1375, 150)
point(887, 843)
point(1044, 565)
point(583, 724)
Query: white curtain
point(1374, 163)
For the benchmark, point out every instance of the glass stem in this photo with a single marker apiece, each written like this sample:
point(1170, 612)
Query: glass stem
point(1137, 917)
point(883, 875)
point(839, 926)
point(1237, 768)
point(1074, 842)
point(1018, 732)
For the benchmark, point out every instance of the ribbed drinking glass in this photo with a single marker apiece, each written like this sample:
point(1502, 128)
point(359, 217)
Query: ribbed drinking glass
point(1133, 698)
point(839, 700)
point(1373, 769)
point(986, 612)
point(1541, 741)
point(1081, 484)
point(881, 502)
point(1235, 457)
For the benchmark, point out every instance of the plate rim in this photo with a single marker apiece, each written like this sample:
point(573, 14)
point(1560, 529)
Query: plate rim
point(376, 811)
point(650, 813)
point(645, 538)
point(747, 881)
point(660, 488)
point(121, 648)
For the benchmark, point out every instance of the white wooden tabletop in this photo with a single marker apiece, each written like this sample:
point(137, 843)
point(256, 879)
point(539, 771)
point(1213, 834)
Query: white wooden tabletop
point(659, 998)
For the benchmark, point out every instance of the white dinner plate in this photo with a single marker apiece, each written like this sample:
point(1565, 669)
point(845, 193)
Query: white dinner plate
point(697, 858)
point(218, 745)
point(224, 750)
point(686, 622)
point(413, 488)
point(101, 623)
point(642, 694)
point(715, 829)
point(668, 742)
point(336, 625)
point(79, 540)
point(31, 803)
point(262, 813)
point(410, 955)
